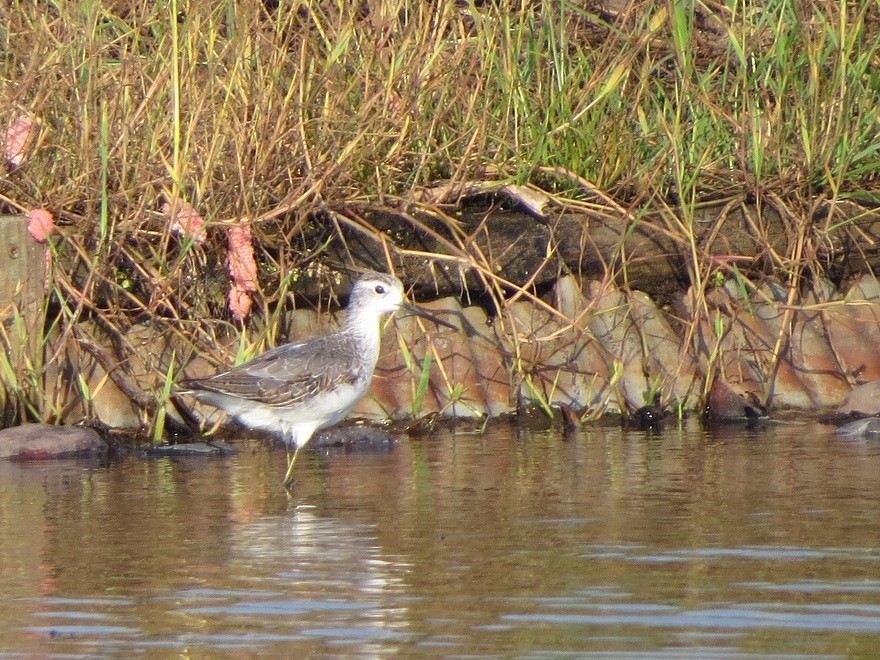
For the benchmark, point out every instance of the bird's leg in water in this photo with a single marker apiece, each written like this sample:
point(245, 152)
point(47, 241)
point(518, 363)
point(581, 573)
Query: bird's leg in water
point(291, 461)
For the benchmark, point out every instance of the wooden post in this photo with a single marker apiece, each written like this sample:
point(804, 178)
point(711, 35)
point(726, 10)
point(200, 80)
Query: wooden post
point(23, 274)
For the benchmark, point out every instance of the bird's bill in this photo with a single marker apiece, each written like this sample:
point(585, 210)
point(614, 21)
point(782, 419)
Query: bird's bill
point(425, 314)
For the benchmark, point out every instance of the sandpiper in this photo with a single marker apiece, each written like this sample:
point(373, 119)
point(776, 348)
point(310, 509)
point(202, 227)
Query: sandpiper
point(302, 387)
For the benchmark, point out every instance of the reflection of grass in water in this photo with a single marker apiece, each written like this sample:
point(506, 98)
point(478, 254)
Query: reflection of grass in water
point(298, 118)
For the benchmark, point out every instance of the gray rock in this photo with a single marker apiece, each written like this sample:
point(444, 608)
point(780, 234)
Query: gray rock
point(30, 442)
point(214, 448)
point(860, 428)
point(353, 438)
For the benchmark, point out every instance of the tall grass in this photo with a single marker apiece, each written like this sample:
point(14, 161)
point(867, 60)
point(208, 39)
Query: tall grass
point(292, 113)
point(244, 108)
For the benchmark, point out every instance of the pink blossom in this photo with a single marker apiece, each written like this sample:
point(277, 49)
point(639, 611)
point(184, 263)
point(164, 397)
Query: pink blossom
point(185, 221)
point(17, 139)
point(240, 302)
point(242, 266)
point(40, 224)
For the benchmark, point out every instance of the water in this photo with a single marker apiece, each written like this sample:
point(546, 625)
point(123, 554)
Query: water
point(513, 543)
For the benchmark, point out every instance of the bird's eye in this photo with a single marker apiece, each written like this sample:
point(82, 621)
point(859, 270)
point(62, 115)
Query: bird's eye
point(380, 289)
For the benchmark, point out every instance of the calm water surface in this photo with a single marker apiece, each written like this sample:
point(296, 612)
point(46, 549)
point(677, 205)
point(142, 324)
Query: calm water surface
point(511, 543)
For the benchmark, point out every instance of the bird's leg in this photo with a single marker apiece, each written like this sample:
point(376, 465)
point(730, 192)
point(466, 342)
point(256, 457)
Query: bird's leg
point(291, 461)
point(290, 440)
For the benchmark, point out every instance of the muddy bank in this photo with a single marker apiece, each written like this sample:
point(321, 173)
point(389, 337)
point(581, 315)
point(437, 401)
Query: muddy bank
point(589, 346)
point(558, 303)
point(455, 240)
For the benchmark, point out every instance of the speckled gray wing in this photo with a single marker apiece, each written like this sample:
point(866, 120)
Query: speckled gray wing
point(286, 375)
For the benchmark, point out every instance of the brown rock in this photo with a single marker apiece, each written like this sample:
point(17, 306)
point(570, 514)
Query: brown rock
point(44, 441)
point(456, 380)
point(613, 327)
point(489, 361)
